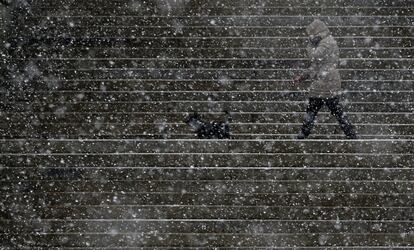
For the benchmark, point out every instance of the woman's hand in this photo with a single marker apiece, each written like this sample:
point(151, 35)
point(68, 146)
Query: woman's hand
point(298, 79)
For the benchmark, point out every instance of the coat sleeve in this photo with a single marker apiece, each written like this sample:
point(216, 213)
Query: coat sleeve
point(316, 55)
point(320, 52)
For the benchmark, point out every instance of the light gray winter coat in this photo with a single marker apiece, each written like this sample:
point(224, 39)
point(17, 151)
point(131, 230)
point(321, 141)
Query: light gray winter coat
point(323, 72)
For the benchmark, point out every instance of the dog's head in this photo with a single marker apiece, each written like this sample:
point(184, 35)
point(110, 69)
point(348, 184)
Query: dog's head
point(194, 121)
point(191, 117)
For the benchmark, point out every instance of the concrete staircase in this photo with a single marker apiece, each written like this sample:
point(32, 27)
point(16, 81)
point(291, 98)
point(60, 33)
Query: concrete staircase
point(95, 154)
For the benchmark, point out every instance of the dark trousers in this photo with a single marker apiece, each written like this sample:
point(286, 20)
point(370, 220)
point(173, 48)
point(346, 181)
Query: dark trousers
point(315, 104)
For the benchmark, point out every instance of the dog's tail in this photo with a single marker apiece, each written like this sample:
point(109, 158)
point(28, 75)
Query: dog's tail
point(229, 118)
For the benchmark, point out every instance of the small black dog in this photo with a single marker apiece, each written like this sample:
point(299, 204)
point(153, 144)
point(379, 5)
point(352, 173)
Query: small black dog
point(208, 130)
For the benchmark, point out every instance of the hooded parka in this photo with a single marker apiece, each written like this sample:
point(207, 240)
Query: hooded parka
point(323, 72)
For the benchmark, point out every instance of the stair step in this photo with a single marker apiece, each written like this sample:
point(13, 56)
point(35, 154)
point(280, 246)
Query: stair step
point(186, 160)
point(157, 117)
point(219, 73)
point(232, 3)
point(221, 84)
point(205, 96)
point(207, 187)
point(106, 170)
point(172, 198)
point(213, 42)
point(207, 212)
point(233, 20)
point(54, 54)
point(211, 227)
point(207, 146)
point(182, 9)
point(186, 241)
point(216, 31)
point(199, 106)
point(183, 131)
point(293, 63)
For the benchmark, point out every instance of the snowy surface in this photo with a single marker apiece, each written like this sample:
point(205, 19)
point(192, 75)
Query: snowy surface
point(95, 152)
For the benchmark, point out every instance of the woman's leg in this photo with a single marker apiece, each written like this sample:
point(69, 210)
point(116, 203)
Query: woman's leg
point(315, 104)
point(336, 110)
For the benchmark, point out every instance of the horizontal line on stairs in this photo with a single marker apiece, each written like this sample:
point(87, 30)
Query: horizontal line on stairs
point(333, 137)
point(223, 6)
point(110, 233)
point(233, 37)
point(216, 80)
point(211, 140)
point(233, 206)
point(210, 102)
point(216, 69)
point(216, 154)
point(221, 233)
point(213, 16)
point(307, 6)
point(219, 181)
point(232, 123)
point(81, 233)
point(337, 247)
point(192, 168)
point(215, 193)
point(369, 136)
point(377, 26)
point(203, 59)
point(206, 91)
point(184, 112)
point(243, 26)
point(238, 48)
point(216, 220)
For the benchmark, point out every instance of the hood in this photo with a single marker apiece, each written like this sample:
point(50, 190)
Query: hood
point(317, 27)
